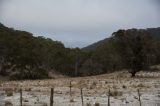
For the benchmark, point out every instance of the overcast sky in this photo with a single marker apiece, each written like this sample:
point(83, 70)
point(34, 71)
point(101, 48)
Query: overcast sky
point(78, 23)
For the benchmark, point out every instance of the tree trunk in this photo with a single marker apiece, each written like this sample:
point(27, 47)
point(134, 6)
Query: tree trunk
point(133, 74)
point(76, 68)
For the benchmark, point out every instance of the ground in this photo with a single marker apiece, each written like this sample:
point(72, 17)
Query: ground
point(123, 90)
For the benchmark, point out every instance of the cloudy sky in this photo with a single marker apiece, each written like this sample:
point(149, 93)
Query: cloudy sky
point(78, 23)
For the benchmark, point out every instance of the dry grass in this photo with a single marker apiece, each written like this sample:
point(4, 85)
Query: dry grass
point(96, 86)
point(8, 103)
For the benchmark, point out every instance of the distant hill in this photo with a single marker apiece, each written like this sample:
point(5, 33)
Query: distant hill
point(155, 32)
point(24, 56)
point(93, 46)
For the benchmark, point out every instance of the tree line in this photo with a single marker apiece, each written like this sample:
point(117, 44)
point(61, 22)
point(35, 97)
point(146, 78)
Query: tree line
point(23, 56)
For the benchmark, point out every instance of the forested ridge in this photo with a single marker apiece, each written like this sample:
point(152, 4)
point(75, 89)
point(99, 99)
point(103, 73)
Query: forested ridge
point(24, 56)
point(154, 32)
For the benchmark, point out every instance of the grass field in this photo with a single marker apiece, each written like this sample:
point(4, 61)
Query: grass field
point(123, 90)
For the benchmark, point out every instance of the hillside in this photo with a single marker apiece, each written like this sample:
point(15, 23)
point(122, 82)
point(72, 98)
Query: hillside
point(95, 45)
point(155, 32)
point(24, 56)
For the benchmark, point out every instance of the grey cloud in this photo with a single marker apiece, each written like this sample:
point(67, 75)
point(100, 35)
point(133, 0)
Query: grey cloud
point(79, 22)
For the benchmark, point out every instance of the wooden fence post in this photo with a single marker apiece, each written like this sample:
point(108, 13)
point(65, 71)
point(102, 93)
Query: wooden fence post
point(139, 98)
point(109, 97)
point(51, 97)
point(20, 97)
point(70, 86)
point(82, 96)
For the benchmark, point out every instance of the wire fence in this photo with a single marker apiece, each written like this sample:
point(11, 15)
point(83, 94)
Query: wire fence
point(71, 96)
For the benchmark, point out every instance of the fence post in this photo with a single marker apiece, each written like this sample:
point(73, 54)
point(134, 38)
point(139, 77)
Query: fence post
point(109, 97)
point(82, 96)
point(139, 98)
point(20, 97)
point(51, 97)
point(70, 86)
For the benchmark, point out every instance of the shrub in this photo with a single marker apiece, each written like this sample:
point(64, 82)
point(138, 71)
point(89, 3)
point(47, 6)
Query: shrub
point(88, 104)
point(124, 87)
point(115, 93)
point(72, 100)
point(8, 103)
point(97, 104)
point(9, 93)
